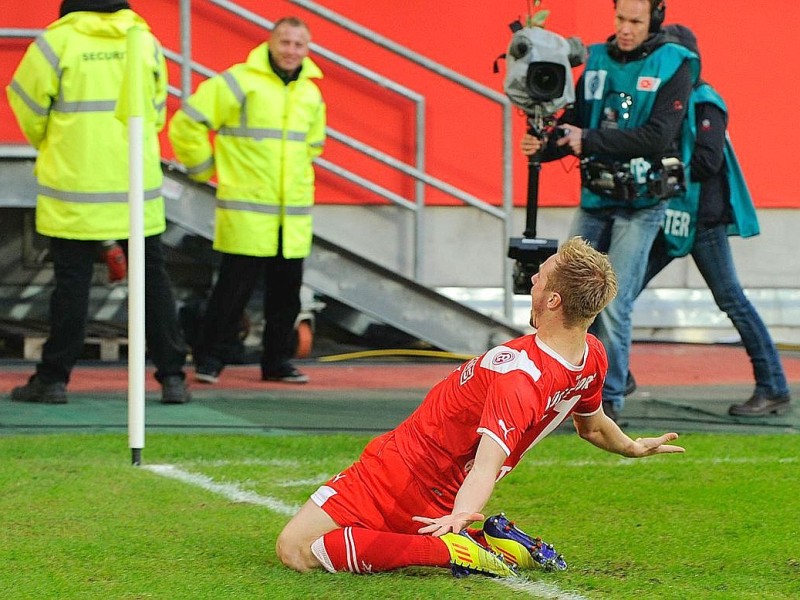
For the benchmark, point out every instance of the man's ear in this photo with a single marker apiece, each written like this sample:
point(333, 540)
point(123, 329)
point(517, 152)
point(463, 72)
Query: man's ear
point(553, 300)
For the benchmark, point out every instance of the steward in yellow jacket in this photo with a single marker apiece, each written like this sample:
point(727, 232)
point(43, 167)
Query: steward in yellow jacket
point(64, 95)
point(269, 119)
point(268, 133)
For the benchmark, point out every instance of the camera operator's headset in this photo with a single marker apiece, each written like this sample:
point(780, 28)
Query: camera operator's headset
point(656, 15)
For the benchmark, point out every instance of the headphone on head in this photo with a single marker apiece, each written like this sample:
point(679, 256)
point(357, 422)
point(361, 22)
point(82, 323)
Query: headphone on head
point(657, 14)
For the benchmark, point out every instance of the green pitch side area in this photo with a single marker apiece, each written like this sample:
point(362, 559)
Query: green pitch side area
point(680, 387)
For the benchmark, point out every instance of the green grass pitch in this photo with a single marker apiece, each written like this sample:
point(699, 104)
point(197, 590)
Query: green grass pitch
point(200, 517)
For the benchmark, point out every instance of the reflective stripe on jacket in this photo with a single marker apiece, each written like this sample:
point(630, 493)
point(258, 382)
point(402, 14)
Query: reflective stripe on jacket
point(268, 134)
point(64, 94)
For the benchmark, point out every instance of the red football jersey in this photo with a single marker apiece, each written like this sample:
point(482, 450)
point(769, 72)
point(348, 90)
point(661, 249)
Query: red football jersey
point(516, 393)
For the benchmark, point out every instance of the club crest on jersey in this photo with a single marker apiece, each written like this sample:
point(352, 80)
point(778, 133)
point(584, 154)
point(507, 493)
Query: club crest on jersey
point(648, 84)
point(503, 357)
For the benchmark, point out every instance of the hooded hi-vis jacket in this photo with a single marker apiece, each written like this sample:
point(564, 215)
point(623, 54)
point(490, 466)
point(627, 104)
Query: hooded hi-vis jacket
point(267, 135)
point(64, 94)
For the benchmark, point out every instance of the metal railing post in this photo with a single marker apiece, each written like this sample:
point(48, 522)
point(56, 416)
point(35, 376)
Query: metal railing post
point(419, 191)
point(186, 48)
point(508, 205)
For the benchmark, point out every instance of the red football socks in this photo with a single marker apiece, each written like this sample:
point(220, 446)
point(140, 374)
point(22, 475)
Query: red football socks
point(365, 551)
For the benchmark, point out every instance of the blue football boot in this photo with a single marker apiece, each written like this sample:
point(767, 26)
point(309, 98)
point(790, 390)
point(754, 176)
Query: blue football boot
point(518, 548)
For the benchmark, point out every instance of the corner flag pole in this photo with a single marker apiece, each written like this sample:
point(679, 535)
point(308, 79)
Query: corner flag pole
point(136, 340)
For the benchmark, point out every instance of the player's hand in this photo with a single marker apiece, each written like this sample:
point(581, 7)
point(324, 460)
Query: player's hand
point(441, 525)
point(530, 144)
point(650, 446)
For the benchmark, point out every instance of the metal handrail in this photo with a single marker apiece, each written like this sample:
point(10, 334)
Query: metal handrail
point(19, 32)
point(401, 50)
point(458, 79)
point(417, 172)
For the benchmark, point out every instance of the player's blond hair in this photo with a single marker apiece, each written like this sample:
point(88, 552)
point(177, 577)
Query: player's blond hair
point(584, 279)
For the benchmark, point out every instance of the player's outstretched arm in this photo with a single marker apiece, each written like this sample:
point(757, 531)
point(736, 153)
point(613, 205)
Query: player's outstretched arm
point(601, 431)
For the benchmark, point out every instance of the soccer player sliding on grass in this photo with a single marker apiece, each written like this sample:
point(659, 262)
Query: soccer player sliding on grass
point(410, 497)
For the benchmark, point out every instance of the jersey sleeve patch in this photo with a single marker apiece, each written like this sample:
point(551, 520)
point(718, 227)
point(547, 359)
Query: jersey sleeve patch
point(503, 359)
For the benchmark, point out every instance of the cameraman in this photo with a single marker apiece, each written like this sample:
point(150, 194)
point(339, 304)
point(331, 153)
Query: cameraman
point(630, 104)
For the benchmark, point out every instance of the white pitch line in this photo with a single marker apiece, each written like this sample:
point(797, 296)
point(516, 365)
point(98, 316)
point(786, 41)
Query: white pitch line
point(539, 589)
point(575, 464)
point(257, 462)
point(237, 494)
point(230, 491)
point(682, 459)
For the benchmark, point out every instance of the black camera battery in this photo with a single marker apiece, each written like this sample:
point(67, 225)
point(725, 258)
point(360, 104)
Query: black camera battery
point(529, 254)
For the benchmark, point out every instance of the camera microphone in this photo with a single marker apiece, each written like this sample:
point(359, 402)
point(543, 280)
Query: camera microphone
point(577, 51)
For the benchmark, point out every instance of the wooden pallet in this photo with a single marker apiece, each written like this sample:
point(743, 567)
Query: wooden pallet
point(109, 347)
point(108, 339)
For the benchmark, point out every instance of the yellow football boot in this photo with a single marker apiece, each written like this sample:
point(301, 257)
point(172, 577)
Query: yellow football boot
point(467, 556)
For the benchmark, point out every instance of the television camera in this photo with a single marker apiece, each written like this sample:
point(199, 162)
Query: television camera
point(538, 81)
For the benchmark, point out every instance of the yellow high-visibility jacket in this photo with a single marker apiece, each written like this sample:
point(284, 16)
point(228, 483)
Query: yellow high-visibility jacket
point(64, 94)
point(267, 135)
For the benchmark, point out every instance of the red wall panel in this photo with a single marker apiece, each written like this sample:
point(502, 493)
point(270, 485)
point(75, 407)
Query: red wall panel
point(744, 52)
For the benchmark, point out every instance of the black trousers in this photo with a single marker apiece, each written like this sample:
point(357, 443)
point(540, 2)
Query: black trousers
point(73, 263)
point(236, 281)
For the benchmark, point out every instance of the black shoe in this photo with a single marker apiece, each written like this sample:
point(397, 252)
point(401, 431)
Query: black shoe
point(760, 404)
point(287, 374)
point(206, 373)
point(43, 393)
point(174, 390)
point(630, 384)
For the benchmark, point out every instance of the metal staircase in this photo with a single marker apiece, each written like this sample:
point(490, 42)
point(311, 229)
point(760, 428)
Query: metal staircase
point(331, 271)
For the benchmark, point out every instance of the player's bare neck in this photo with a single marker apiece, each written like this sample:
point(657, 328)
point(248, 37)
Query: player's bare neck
point(568, 343)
